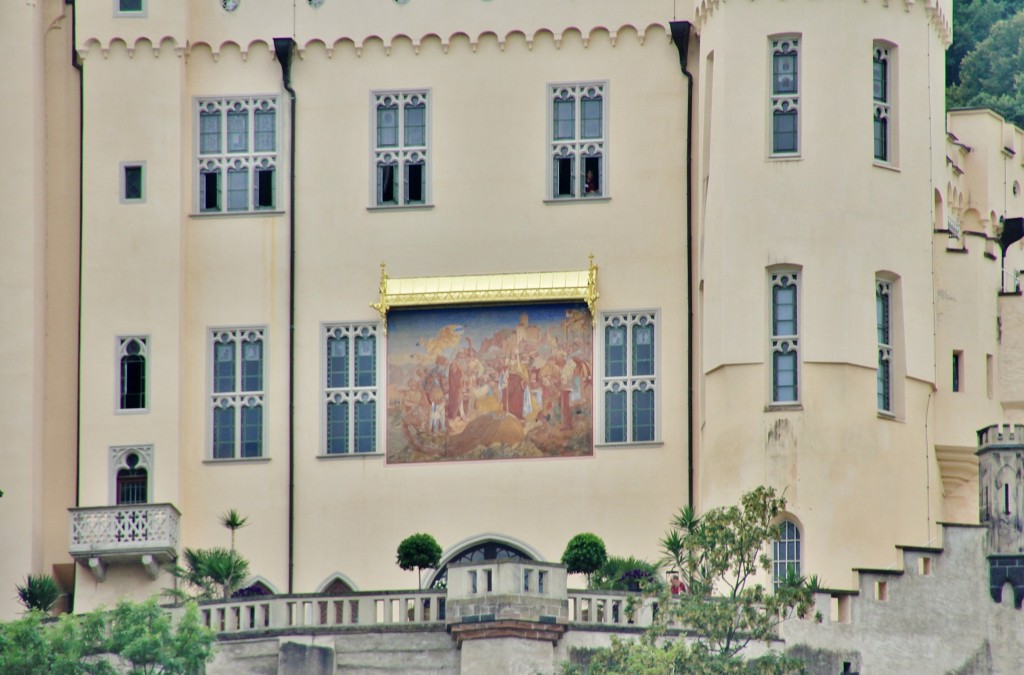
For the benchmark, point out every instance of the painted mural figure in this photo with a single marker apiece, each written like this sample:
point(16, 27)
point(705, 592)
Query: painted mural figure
point(524, 392)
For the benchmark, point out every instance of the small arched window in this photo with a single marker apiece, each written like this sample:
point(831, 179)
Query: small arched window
point(786, 558)
point(132, 354)
point(132, 481)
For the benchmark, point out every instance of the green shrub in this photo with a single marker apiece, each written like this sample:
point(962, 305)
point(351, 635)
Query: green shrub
point(40, 592)
point(418, 551)
point(624, 574)
point(584, 554)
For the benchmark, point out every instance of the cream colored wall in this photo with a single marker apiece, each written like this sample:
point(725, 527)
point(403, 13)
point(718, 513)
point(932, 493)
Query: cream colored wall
point(38, 239)
point(857, 483)
point(155, 269)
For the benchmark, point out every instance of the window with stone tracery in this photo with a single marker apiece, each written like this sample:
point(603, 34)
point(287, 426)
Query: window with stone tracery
point(236, 164)
point(785, 96)
point(132, 355)
point(236, 402)
point(629, 381)
point(350, 389)
point(131, 468)
point(883, 97)
point(785, 341)
point(578, 117)
point(401, 136)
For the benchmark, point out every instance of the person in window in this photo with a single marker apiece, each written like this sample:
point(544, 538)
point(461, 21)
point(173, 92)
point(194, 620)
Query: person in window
point(677, 585)
point(590, 186)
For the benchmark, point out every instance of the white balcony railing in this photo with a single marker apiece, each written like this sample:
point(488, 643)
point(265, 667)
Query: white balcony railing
point(148, 532)
point(352, 609)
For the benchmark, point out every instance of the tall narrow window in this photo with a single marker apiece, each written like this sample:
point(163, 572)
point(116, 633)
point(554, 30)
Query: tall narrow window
point(400, 152)
point(237, 365)
point(882, 106)
point(237, 154)
point(958, 369)
point(132, 353)
point(785, 345)
point(785, 96)
point(883, 320)
point(350, 388)
point(578, 140)
point(630, 377)
point(786, 549)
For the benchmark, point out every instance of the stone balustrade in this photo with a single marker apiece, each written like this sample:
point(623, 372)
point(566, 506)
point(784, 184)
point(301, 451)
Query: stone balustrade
point(147, 533)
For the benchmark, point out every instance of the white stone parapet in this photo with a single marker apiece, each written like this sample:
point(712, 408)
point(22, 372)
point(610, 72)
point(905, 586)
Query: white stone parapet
point(146, 532)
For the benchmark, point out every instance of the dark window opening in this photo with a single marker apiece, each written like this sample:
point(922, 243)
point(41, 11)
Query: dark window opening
point(1006, 499)
point(563, 177)
point(386, 184)
point(881, 138)
point(414, 183)
point(264, 188)
point(133, 182)
point(132, 483)
point(133, 381)
point(210, 191)
point(592, 176)
point(956, 371)
point(130, 5)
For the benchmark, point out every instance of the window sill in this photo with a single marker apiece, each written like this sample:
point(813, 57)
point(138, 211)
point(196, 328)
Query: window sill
point(350, 455)
point(630, 444)
point(576, 200)
point(236, 214)
point(785, 158)
point(888, 416)
point(131, 411)
point(784, 407)
point(237, 460)
point(887, 166)
point(401, 207)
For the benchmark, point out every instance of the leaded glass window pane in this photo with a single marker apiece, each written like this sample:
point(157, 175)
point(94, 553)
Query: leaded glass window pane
point(366, 426)
point(265, 122)
point(881, 130)
point(615, 416)
point(882, 316)
point(784, 73)
point(590, 114)
point(643, 415)
point(209, 133)
point(880, 80)
point(643, 349)
point(337, 362)
point(238, 189)
point(565, 119)
point(366, 361)
point(884, 381)
point(615, 351)
point(129, 5)
point(224, 367)
point(252, 431)
point(223, 433)
point(784, 309)
point(337, 428)
point(416, 124)
point(387, 126)
point(238, 131)
point(784, 136)
point(785, 375)
point(252, 365)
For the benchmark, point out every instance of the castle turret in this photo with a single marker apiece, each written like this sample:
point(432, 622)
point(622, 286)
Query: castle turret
point(1000, 501)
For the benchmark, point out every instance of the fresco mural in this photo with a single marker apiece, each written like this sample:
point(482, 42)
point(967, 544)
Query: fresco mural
point(505, 382)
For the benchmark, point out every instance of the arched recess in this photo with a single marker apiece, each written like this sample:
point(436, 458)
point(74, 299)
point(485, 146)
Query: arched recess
point(336, 584)
point(255, 587)
point(940, 215)
point(488, 546)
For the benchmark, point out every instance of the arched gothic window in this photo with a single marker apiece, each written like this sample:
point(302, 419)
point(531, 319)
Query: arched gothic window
point(131, 471)
point(485, 550)
point(786, 556)
point(132, 355)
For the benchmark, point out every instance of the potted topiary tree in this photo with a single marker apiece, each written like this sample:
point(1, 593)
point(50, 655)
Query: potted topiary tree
point(584, 554)
point(418, 551)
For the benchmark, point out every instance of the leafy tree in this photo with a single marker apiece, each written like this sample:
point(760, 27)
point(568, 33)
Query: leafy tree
point(234, 521)
point(990, 73)
point(40, 592)
point(418, 551)
point(972, 21)
point(211, 572)
point(584, 554)
point(720, 555)
point(140, 635)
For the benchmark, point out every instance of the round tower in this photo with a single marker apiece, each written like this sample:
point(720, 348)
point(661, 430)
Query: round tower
point(820, 131)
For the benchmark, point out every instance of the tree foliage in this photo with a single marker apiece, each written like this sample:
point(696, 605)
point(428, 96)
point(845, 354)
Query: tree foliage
point(720, 556)
point(418, 551)
point(624, 574)
point(137, 638)
point(972, 21)
point(233, 521)
point(40, 592)
point(992, 75)
point(584, 554)
point(210, 573)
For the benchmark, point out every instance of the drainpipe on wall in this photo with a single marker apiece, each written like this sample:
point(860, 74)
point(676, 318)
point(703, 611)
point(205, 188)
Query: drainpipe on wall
point(681, 39)
point(283, 49)
point(77, 65)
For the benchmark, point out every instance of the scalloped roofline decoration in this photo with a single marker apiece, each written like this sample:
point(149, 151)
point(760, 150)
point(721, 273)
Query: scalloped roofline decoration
point(158, 44)
point(933, 8)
